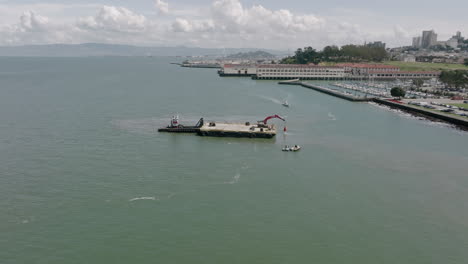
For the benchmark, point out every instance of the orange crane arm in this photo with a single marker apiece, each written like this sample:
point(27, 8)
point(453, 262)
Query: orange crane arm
point(273, 116)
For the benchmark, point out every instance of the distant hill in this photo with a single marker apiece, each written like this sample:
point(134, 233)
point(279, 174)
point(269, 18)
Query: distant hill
point(96, 49)
point(252, 55)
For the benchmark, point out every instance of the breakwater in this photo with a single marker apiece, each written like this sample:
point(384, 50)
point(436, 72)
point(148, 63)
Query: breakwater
point(329, 91)
point(458, 121)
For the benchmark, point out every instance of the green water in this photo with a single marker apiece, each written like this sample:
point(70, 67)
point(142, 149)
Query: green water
point(84, 177)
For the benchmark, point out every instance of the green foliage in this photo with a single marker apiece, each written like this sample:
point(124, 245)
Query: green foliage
point(353, 53)
point(455, 79)
point(426, 66)
point(303, 56)
point(440, 47)
point(397, 92)
point(347, 53)
point(418, 82)
point(252, 55)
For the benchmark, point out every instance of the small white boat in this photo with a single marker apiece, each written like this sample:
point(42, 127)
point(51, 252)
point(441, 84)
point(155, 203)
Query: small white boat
point(285, 104)
point(296, 148)
point(288, 148)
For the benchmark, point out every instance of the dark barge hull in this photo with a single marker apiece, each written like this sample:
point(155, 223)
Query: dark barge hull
point(234, 134)
point(179, 129)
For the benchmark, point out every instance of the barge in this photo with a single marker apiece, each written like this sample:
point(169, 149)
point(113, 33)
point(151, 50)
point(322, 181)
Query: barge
point(261, 129)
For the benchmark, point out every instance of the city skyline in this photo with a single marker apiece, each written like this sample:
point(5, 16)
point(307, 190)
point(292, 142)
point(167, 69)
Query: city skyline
point(222, 23)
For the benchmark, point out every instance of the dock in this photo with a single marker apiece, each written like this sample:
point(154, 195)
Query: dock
point(328, 91)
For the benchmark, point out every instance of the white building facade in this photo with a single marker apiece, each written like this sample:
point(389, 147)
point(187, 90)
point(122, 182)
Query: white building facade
point(238, 70)
point(299, 71)
point(355, 71)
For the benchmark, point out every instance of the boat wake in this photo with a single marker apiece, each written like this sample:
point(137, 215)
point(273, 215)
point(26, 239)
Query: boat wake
point(235, 179)
point(143, 198)
point(271, 99)
point(140, 126)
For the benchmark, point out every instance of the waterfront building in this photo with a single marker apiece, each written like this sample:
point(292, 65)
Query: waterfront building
point(299, 71)
point(362, 69)
point(315, 72)
point(385, 75)
point(238, 70)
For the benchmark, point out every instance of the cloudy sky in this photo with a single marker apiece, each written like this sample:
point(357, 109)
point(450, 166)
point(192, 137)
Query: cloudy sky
point(274, 24)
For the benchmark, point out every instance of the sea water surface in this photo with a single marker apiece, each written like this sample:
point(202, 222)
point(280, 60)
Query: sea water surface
point(85, 177)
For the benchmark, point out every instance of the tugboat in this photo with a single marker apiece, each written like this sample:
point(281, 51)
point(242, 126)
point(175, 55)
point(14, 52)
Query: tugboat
point(176, 127)
point(285, 104)
point(174, 122)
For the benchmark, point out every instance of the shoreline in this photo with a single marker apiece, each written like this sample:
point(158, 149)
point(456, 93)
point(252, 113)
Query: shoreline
point(459, 122)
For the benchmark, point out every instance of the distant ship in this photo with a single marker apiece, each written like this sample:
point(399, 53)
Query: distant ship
point(285, 104)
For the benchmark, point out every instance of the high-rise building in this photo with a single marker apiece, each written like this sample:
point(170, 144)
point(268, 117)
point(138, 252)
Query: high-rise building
point(458, 36)
point(429, 38)
point(376, 44)
point(416, 42)
point(453, 42)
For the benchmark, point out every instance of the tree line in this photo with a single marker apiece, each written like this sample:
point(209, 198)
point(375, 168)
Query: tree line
point(347, 53)
point(455, 79)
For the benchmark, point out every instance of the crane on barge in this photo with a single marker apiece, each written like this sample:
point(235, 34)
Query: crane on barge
point(270, 117)
point(263, 123)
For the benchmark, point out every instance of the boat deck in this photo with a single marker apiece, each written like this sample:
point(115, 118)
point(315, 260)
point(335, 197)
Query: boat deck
point(236, 127)
point(237, 130)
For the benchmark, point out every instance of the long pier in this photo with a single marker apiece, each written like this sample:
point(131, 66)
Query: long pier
point(328, 91)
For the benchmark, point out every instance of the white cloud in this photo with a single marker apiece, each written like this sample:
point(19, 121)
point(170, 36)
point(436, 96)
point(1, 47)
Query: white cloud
point(32, 28)
point(224, 23)
point(184, 25)
point(111, 18)
point(162, 7)
point(29, 21)
point(230, 23)
point(181, 25)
